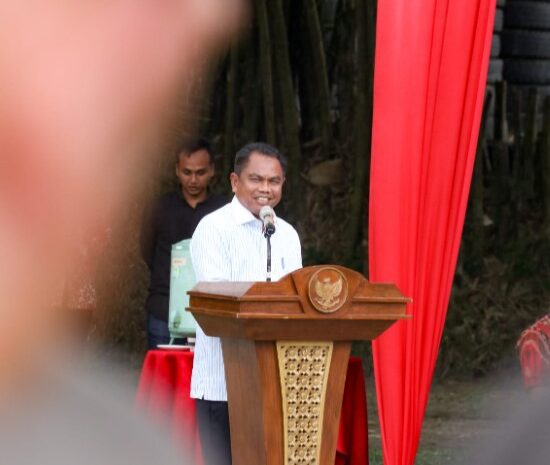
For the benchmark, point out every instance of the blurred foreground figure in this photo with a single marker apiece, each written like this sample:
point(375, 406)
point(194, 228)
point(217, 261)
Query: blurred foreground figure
point(89, 90)
point(83, 416)
point(524, 436)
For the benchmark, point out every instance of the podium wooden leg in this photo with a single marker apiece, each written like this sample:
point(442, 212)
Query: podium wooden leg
point(284, 400)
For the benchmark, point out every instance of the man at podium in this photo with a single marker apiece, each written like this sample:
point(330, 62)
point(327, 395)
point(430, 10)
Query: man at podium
point(232, 244)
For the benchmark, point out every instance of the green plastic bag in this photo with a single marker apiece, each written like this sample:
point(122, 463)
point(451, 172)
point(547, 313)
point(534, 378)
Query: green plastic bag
point(182, 278)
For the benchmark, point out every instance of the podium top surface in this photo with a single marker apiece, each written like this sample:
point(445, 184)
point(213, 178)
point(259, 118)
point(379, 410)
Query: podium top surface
point(337, 301)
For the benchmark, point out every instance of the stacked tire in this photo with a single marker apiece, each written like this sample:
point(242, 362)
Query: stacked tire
point(495, 72)
point(525, 44)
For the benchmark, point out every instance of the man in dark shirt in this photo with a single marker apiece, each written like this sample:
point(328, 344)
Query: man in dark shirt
point(173, 218)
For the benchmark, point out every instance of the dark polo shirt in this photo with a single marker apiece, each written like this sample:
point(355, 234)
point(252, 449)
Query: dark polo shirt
point(170, 220)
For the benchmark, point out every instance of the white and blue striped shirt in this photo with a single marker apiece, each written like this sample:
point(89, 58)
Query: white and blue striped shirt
point(228, 245)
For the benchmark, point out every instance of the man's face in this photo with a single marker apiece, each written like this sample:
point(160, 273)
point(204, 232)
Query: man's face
point(260, 182)
point(194, 172)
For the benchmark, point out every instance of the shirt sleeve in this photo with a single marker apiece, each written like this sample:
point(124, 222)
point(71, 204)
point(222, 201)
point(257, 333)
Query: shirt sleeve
point(297, 252)
point(209, 253)
point(294, 251)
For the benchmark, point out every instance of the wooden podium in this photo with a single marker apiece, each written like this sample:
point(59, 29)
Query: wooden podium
point(286, 346)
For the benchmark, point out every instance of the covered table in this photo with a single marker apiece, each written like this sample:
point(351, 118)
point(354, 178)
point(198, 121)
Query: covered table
point(163, 393)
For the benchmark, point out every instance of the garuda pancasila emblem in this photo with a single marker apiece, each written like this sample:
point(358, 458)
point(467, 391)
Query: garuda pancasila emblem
point(327, 290)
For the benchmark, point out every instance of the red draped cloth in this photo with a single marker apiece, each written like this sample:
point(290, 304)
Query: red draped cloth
point(352, 443)
point(163, 394)
point(429, 81)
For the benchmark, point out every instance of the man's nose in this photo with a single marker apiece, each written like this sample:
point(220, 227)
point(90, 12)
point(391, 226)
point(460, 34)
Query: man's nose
point(264, 186)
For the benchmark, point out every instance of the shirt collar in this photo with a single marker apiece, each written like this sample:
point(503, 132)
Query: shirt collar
point(184, 200)
point(240, 213)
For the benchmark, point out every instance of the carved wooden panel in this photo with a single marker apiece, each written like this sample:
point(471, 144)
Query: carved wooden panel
point(303, 368)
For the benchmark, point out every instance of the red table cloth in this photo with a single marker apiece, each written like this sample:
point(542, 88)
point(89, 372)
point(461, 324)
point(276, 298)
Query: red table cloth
point(163, 394)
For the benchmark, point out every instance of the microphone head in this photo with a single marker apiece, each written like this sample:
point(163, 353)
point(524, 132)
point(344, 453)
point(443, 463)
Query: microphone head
point(267, 215)
point(265, 212)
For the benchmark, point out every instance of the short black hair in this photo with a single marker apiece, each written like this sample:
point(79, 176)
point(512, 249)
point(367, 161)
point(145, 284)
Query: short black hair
point(189, 147)
point(263, 148)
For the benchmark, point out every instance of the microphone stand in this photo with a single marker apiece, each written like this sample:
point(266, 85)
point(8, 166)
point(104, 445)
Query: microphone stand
point(268, 237)
point(268, 229)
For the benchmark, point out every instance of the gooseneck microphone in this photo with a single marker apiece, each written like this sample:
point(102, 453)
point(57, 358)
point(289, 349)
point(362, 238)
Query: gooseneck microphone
point(267, 215)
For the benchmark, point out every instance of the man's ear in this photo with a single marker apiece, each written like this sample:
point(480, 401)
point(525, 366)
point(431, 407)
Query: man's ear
point(234, 179)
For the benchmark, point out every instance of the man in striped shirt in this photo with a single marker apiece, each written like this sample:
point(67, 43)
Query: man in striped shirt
point(228, 245)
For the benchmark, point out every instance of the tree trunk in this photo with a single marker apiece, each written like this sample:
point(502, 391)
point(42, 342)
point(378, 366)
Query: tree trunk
point(529, 144)
point(341, 71)
point(515, 126)
point(337, 38)
point(364, 24)
point(501, 169)
point(266, 72)
point(252, 105)
point(301, 62)
point(231, 109)
point(290, 117)
point(215, 121)
point(474, 237)
point(318, 75)
point(546, 166)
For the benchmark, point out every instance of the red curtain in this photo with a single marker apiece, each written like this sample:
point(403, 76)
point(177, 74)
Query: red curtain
point(430, 72)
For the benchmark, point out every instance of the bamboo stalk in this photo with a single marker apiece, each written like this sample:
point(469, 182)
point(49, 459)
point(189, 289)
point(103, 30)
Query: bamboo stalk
point(501, 170)
point(364, 25)
point(252, 94)
point(474, 228)
point(529, 144)
point(318, 74)
point(230, 109)
point(333, 48)
point(266, 72)
point(341, 70)
point(546, 166)
point(290, 118)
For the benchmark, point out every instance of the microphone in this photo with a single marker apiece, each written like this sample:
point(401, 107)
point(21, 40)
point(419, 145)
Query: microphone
point(267, 215)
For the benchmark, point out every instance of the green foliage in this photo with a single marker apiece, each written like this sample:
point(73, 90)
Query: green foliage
point(502, 283)
point(122, 287)
point(488, 312)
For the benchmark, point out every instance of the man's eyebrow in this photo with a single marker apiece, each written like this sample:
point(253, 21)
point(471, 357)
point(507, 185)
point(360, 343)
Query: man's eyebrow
point(256, 175)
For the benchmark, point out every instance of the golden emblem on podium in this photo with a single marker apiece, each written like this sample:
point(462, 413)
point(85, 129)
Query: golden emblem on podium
point(328, 289)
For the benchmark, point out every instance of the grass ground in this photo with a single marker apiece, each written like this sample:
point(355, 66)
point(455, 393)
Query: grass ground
point(460, 418)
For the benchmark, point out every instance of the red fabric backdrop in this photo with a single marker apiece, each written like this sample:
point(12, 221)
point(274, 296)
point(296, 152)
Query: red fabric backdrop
point(430, 71)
